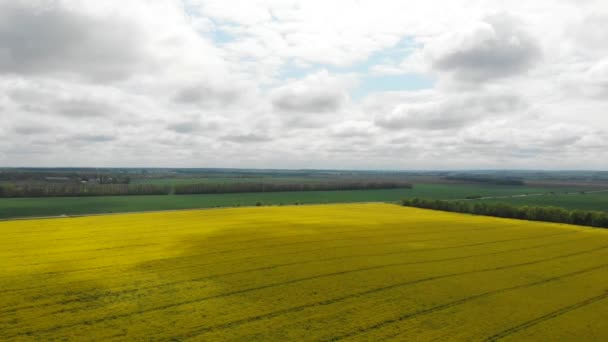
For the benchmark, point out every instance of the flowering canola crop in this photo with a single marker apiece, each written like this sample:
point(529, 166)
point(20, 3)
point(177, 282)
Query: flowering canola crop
point(325, 272)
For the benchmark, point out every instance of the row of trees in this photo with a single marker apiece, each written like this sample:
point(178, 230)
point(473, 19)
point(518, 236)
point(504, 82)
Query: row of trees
point(76, 190)
point(532, 213)
point(18, 176)
point(487, 179)
point(218, 188)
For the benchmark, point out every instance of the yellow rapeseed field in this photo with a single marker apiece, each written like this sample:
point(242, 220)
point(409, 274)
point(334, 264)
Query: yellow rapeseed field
point(327, 272)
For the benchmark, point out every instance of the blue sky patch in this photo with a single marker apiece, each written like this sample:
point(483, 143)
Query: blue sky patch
point(370, 82)
point(220, 36)
point(378, 83)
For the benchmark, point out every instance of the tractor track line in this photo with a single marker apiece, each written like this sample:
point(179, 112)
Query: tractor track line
point(347, 246)
point(249, 248)
point(113, 294)
point(172, 233)
point(373, 291)
point(236, 243)
point(294, 281)
point(418, 313)
point(235, 261)
point(548, 316)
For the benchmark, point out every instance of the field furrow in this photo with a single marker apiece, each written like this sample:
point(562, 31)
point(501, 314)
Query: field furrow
point(329, 272)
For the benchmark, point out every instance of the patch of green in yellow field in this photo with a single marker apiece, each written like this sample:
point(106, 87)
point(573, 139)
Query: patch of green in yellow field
point(331, 272)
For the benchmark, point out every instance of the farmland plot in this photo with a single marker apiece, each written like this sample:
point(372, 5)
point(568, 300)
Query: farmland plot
point(330, 272)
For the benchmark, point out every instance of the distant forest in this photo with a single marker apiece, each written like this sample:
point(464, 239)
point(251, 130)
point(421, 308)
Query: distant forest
point(486, 179)
point(278, 187)
point(75, 190)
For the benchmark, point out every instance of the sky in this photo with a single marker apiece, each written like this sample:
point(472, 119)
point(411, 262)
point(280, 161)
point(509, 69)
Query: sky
point(304, 84)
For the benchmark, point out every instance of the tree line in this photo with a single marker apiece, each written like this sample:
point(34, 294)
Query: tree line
point(64, 177)
point(532, 213)
point(487, 179)
point(77, 190)
point(219, 188)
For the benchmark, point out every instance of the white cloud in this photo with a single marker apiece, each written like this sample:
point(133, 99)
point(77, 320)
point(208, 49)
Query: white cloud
point(247, 138)
point(598, 77)
point(495, 47)
point(316, 93)
point(354, 129)
point(44, 37)
point(203, 83)
point(450, 112)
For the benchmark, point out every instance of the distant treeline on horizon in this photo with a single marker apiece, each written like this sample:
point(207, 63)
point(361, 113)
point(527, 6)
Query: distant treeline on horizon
point(76, 190)
point(486, 179)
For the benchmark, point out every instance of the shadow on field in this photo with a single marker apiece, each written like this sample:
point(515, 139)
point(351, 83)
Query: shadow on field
point(240, 257)
point(52, 299)
point(234, 249)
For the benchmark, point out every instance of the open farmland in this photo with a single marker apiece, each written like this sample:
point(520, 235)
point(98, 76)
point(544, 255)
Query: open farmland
point(23, 207)
point(573, 200)
point(328, 272)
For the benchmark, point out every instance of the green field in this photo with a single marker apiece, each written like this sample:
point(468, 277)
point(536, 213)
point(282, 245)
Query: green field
point(24, 207)
point(225, 180)
point(587, 201)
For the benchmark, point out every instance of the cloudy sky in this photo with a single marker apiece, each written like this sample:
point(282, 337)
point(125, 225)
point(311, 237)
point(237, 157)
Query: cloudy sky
point(304, 84)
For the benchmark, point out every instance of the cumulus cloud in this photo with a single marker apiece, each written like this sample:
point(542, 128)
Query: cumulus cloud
point(598, 77)
point(247, 138)
point(42, 37)
point(73, 103)
point(197, 125)
point(589, 81)
point(496, 47)
point(185, 127)
point(287, 84)
point(316, 93)
point(204, 94)
point(92, 138)
point(227, 91)
point(30, 128)
point(448, 113)
point(590, 32)
point(79, 108)
point(538, 142)
point(353, 129)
